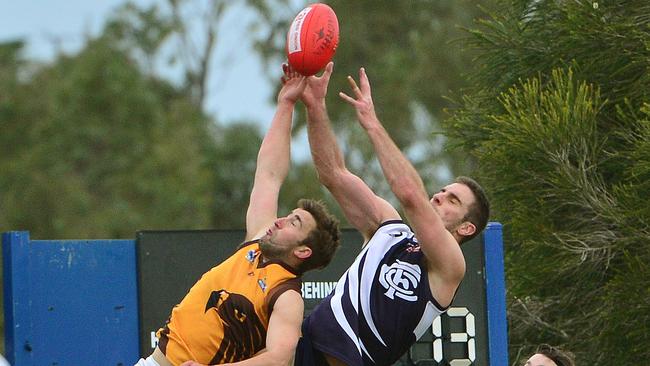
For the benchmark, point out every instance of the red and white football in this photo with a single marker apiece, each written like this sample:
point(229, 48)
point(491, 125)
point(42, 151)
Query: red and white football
point(312, 39)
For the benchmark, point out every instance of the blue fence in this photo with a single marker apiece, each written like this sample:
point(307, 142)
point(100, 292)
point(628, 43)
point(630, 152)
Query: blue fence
point(71, 302)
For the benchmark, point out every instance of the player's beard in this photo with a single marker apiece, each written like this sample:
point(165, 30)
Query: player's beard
point(453, 226)
point(271, 250)
point(450, 226)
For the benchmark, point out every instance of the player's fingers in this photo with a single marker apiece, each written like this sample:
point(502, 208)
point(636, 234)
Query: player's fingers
point(289, 72)
point(353, 85)
point(347, 98)
point(363, 80)
point(292, 72)
point(302, 83)
point(328, 70)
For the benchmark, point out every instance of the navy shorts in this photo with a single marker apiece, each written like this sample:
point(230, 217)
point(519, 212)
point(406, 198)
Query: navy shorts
point(306, 354)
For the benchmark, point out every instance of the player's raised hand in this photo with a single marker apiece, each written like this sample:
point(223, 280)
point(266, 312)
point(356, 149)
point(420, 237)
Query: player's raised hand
point(316, 89)
point(293, 85)
point(362, 100)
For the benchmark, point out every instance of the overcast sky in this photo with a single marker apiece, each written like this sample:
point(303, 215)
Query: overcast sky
point(46, 23)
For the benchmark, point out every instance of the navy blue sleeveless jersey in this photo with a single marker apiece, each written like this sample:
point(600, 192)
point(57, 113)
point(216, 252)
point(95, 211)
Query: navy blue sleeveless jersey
point(381, 305)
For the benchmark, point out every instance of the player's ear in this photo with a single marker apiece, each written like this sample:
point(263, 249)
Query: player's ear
point(466, 228)
point(302, 252)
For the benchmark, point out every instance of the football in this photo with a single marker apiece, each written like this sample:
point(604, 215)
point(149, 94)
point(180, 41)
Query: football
point(312, 39)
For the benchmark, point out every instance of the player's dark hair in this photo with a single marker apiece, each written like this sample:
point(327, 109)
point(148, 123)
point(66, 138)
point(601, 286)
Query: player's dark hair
point(479, 212)
point(324, 240)
point(560, 357)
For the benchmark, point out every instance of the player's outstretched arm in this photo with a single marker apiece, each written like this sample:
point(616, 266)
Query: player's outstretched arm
point(273, 158)
point(363, 209)
point(439, 246)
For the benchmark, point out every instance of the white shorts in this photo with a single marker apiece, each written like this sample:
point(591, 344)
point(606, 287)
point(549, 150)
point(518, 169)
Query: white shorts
point(149, 361)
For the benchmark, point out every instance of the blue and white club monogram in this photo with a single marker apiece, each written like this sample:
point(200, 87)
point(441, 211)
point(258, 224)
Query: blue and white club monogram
point(400, 279)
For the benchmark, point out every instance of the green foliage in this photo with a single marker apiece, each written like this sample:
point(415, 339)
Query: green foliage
point(624, 335)
point(142, 31)
point(303, 182)
point(97, 149)
point(557, 118)
point(234, 161)
point(96, 145)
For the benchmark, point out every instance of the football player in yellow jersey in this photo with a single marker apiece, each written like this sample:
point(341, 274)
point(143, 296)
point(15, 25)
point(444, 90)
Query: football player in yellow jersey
point(248, 310)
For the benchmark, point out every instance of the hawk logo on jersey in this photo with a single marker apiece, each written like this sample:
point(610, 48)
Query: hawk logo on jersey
point(400, 279)
point(239, 318)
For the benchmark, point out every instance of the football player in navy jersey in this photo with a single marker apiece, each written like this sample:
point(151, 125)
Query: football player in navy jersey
point(406, 274)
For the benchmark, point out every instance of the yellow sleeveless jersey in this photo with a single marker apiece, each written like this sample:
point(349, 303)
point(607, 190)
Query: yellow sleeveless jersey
point(224, 316)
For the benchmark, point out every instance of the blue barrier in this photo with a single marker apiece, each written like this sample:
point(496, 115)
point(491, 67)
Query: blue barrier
point(71, 302)
point(496, 294)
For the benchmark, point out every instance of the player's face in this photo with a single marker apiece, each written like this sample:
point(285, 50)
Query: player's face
point(539, 359)
point(286, 233)
point(452, 204)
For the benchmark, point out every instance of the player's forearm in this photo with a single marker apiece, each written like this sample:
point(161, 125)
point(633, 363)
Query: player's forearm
point(261, 359)
point(402, 177)
point(273, 159)
point(266, 359)
point(325, 150)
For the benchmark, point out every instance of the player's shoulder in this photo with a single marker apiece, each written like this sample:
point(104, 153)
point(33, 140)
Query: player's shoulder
point(393, 227)
point(290, 298)
point(389, 232)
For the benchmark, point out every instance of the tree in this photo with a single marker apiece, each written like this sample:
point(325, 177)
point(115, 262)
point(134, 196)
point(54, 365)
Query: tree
point(557, 119)
point(181, 34)
point(233, 162)
point(103, 150)
point(98, 144)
